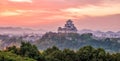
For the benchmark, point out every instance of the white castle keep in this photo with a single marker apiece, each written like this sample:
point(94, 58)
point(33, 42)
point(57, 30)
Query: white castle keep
point(68, 28)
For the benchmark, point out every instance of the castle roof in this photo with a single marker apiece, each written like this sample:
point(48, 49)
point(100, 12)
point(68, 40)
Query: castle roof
point(69, 20)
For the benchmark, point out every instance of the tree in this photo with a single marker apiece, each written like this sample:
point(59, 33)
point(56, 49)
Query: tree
point(55, 56)
point(86, 36)
point(13, 49)
point(31, 51)
point(8, 56)
point(69, 55)
point(85, 53)
point(50, 50)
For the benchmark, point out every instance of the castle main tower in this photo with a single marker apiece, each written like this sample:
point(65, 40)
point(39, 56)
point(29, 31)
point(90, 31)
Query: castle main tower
point(68, 27)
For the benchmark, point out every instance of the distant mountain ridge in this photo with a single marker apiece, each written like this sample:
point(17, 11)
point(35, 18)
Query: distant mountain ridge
point(14, 28)
point(108, 34)
point(91, 31)
point(19, 30)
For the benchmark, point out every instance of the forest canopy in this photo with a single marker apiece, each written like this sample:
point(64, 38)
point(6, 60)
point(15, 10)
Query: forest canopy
point(29, 52)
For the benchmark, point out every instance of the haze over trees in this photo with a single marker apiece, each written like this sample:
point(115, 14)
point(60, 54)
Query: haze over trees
point(75, 41)
point(61, 40)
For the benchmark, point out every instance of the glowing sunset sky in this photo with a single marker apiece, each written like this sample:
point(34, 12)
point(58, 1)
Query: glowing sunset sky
point(50, 14)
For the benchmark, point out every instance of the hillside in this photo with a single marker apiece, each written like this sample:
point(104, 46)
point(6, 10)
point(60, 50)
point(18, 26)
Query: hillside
point(75, 41)
point(62, 40)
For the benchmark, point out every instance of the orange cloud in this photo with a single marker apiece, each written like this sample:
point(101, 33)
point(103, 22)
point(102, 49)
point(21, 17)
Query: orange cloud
point(18, 12)
point(94, 10)
point(9, 13)
point(28, 1)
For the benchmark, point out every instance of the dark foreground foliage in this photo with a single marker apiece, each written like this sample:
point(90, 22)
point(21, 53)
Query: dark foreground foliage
point(28, 52)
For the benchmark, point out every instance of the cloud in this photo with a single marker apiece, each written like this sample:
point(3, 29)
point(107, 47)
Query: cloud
point(19, 12)
point(28, 1)
point(9, 13)
point(13, 12)
point(94, 10)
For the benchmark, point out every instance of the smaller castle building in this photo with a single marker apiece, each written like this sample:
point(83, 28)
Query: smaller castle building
point(68, 27)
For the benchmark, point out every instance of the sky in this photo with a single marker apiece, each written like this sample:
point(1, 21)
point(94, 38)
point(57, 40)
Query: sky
point(101, 15)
